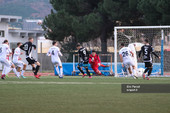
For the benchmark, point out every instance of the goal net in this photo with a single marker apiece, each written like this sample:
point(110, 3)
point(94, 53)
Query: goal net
point(106, 59)
point(133, 37)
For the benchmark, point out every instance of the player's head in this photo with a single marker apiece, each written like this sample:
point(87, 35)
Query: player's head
point(5, 42)
point(93, 53)
point(122, 45)
point(146, 41)
point(19, 44)
point(78, 46)
point(31, 39)
point(54, 43)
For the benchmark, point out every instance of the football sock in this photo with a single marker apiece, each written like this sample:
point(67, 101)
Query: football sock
point(146, 70)
point(57, 70)
point(61, 72)
point(33, 68)
point(134, 72)
point(150, 71)
point(16, 73)
point(36, 70)
point(81, 70)
point(88, 73)
point(7, 70)
point(22, 72)
point(3, 71)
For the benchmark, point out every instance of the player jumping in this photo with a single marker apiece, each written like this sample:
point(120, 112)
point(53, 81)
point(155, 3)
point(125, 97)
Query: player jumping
point(84, 59)
point(147, 50)
point(54, 52)
point(4, 49)
point(125, 57)
point(27, 47)
point(17, 60)
point(95, 62)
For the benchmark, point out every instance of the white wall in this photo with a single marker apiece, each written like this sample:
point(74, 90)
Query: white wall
point(4, 27)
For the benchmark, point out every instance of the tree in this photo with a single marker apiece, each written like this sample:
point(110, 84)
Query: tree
point(155, 12)
point(86, 20)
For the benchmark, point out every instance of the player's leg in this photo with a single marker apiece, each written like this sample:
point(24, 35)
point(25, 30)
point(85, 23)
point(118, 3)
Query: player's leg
point(23, 70)
point(3, 71)
point(18, 69)
point(103, 65)
point(146, 70)
point(133, 69)
point(56, 68)
point(15, 71)
point(150, 70)
point(30, 62)
point(34, 70)
point(86, 67)
point(96, 70)
point(61, 71)
point(10, 66)
point(79, 66)
point(22, 65)
point(129, 67)
point(87, 71)
point(61, 68)
point(37, 67)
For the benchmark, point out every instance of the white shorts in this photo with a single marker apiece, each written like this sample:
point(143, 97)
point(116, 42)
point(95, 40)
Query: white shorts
point(19, 63)
point(5, 62)
point(57, 63)
point(129, 63)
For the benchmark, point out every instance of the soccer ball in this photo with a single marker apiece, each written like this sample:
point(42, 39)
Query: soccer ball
point(39, 22)
point(140, 72)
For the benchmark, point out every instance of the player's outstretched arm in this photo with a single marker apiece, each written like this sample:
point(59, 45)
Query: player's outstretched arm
point(49, 52)
point(34, 46)
point(22, 46)
point(60, 53)
point(155, 54)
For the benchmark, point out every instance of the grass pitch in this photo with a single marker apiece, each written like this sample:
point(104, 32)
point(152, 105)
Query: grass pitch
point(79, 95)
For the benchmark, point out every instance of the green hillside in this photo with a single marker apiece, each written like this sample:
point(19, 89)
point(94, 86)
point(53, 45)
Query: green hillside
point(25, 8)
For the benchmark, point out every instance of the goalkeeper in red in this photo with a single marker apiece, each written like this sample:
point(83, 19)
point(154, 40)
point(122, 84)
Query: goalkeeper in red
point(95, 62)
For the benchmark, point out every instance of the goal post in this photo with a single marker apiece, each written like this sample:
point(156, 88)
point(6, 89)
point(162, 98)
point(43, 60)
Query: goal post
point(159, 38)
point(106, 59)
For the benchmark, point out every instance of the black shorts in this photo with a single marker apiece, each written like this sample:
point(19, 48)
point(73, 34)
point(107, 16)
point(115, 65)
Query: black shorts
point(148, 64)
point(31, 60)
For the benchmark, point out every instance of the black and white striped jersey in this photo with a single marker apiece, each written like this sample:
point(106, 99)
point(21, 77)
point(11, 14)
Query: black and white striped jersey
point(147, 52)
point(27, 47)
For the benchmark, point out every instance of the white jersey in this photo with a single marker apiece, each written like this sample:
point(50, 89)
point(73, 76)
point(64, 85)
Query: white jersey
point(4, 51)
point(16, 55)
point(125, 52)
point(55, 53)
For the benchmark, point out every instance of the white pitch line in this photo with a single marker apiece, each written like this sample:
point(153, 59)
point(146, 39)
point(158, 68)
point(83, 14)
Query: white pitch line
point(62, 83)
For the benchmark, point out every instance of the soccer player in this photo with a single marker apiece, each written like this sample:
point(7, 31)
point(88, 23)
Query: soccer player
point(27, 47)
point(147, 51)
point(4, 49)
point(125, 57)
point(95, 62)
point(17, 60)
point(84, 59)
point(54, 52)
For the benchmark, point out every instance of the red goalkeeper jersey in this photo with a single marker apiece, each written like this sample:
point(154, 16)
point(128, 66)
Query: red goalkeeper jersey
point(94, 60)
